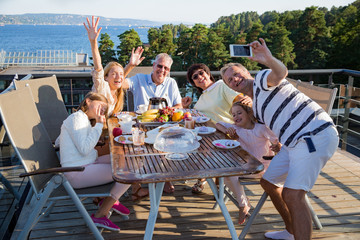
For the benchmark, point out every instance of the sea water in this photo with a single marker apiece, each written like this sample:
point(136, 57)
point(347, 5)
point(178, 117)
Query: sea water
point(31, 38)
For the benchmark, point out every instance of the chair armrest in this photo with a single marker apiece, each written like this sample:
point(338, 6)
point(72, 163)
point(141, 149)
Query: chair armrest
point(53, 170)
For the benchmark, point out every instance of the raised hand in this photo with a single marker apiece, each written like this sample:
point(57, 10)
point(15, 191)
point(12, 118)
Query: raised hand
point(100, 113)
point(275, 147)
point(136, 58)
point(261, 52)
point(232, 133)
point(186, 101)
point(92, 29)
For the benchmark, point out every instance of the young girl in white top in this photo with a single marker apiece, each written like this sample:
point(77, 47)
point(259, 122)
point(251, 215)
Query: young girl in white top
point(256, 139)
point(79, 135)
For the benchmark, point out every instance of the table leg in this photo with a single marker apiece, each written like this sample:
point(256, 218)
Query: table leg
point(155, 191)
point(219, 196)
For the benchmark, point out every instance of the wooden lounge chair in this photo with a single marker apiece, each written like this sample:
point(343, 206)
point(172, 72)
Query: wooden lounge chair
point(34, 148)
point(49, 102)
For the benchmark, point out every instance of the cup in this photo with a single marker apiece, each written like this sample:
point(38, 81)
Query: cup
point(124, 117)
point(142, 108)
point(125, 123)
point(138, 139)
point(190, 123)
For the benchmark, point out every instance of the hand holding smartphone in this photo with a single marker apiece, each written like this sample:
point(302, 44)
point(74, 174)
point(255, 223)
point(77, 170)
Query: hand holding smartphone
point(238, 50)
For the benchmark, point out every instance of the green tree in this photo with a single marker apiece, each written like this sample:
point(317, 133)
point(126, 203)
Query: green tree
point(277, 39)
point(214, 51)
point(346, 39)
point(312, 40)
point(198, 37)
point(254, 32)
point(269, 16)
point(128, 40)
point(106, 49)
point(184, 53)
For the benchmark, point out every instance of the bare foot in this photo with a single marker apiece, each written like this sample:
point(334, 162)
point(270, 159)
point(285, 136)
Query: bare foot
point(138, 192)
point(169, 187)
point(243, 213)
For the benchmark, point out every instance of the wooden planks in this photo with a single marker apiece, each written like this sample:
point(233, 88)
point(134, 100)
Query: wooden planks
point(184, 215)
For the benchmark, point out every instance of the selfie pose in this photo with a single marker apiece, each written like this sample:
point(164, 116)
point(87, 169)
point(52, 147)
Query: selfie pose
point(306, 132)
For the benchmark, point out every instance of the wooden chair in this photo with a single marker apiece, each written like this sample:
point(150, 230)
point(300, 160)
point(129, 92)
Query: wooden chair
point(49, 102)
point(34, 148)
point(325, 97)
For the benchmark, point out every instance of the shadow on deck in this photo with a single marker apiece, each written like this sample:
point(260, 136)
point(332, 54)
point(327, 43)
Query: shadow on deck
point(183, 215)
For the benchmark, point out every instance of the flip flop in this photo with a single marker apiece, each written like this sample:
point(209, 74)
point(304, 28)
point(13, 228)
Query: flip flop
point(198, 186)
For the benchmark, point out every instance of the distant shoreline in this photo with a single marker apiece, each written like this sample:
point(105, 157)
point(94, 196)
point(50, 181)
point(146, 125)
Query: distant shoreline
point(76, 19)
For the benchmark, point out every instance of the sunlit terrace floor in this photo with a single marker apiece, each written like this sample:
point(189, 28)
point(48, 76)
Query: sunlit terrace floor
point(183, 215)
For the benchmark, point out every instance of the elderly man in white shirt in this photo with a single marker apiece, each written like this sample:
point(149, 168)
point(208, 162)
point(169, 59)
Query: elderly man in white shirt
point(156, 84)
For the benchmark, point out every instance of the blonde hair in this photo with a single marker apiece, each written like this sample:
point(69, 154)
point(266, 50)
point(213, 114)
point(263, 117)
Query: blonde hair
point(246, 108)
point(120, 93)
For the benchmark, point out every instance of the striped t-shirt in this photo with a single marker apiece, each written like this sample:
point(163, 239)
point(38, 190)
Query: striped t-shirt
point(289, 113)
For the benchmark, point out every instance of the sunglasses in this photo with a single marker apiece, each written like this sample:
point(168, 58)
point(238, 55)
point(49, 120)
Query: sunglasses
point(159, 66)
point(196, 75)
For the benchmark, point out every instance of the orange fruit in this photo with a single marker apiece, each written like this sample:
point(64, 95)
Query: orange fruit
point(177, 116)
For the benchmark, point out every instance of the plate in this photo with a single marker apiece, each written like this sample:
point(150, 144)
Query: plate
point(205, 130)
point(156, 124)
point(126, 141)
point(226, 143)
point(129, 113)
point(201, 119)
point(139, 112)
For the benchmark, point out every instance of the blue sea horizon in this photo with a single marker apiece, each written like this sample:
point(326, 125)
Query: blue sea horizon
point(31, 38)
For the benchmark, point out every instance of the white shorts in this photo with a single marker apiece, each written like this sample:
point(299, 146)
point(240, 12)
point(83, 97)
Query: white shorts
point(297, 168)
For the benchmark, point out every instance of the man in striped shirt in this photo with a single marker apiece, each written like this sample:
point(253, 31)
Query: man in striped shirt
point(305, 130)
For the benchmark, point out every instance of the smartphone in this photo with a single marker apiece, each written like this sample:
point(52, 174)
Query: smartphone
point(237, 50)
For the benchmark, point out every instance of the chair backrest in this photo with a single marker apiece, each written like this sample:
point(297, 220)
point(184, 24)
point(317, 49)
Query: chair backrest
point(325, 97)
point(49, 102)
point(28, 135)
point(293, 81)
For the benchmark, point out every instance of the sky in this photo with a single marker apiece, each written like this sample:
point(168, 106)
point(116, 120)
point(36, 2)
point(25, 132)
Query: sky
point(186, 11)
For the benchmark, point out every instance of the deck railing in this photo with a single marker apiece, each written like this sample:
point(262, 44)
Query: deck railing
point(346, 112)
point(41, 58)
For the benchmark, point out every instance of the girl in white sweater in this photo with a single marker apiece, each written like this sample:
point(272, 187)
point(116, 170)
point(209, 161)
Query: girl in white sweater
point(79, 135)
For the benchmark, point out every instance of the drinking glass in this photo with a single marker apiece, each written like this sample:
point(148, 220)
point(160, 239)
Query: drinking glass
point(190, 123)
point(138, 139)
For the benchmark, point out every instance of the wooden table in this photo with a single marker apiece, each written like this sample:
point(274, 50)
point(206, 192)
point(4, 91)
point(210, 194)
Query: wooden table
point(153, 168)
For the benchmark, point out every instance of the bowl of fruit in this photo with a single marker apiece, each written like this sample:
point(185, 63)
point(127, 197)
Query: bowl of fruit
point(160, 116)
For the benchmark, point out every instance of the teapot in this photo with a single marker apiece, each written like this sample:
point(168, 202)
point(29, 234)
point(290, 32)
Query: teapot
point(157, 103)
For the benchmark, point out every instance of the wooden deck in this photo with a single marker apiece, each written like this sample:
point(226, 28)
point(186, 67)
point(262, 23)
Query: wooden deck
point(183, 215)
